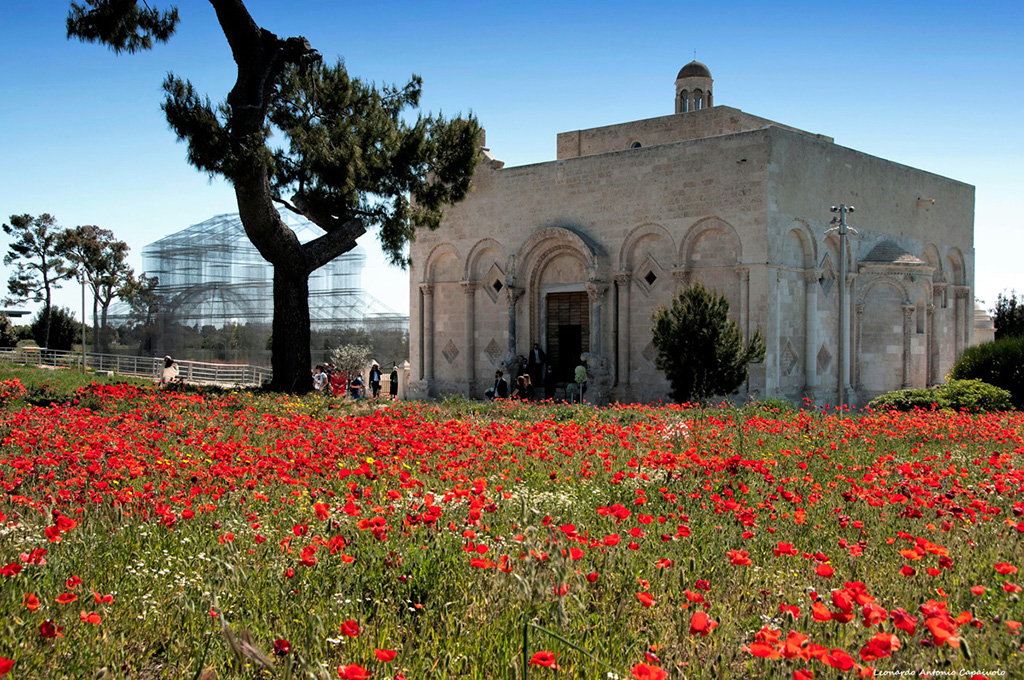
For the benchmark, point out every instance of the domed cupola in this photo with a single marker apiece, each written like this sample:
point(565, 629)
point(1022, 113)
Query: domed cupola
point(693, 88)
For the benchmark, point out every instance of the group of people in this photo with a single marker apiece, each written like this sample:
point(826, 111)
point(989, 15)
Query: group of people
point(533, 371)
point(327, 379)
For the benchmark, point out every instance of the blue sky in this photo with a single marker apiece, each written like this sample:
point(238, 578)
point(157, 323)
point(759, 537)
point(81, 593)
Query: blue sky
point(935, 85)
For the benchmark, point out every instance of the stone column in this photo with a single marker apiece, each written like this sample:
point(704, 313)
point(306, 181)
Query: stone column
point(929, 343)
point(469, 288)
point(403, 381)
point(961, 293)
point(595, 291)
point(682, 278)
point(623, 284)
point(908, 320)
point(811, 329)
point(743, 274)
point(777, 322)
point(512, 295)
point(427, 337)
point(858, 334)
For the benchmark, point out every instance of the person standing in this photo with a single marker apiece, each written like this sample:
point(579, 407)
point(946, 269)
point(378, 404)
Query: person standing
point(536, 364)
point(393, 386)
point(337, 381)
point(375, 376)
point(319, 380)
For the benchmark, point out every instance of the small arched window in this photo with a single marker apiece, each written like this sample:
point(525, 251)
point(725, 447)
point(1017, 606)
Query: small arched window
point(635, 145)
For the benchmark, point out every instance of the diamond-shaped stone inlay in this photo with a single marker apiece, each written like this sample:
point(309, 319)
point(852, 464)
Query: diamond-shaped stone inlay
point(497, 285)
point(788, 358)
point(650, 353)
point(826, 284)
point(824, 359)
point(650, 278)
point(450, 352)
point(493, 351)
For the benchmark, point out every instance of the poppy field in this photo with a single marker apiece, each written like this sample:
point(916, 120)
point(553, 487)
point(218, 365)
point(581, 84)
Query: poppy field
point(167, 534)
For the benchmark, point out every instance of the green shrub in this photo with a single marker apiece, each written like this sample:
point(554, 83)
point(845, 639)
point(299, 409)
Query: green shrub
point(975, 395)
point(775, 405)
point(969, 395)
point(999, 363)
point(908, 400)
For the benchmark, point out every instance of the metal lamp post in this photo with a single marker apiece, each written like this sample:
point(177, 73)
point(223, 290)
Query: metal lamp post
point(83, 321)
point(840, 226)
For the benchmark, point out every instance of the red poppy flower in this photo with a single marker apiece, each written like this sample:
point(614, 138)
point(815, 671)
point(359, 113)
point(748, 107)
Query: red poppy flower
point(978, 590)
point(48, 629)
point(642, 671)
point(384, 655)
point(645, 599)
point(350, 628)
point(1005, 568)
point(90, 617)
point(904, 621)
point(73, 582)
point(546, 659)
point(31, 602)
point(66, 598)
point(353, 672)
point(6, 665)
point(803, 674)
point(701, 624)
point(282, 647)
point(838, 659)
point(825, 570)
point(739, 558)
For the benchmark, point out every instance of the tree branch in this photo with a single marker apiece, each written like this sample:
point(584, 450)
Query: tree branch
point(341, 239)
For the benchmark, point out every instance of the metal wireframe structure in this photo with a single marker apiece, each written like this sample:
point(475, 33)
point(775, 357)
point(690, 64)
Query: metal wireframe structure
point(210, 274)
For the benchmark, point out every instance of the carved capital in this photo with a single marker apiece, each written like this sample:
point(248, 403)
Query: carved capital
point(427, 289)
point(812, 275)
point(595, 289)
point(860, 310)
point(681, 276)
point(742, 273)
point(469, 287)
point(623, 279)
point(962, 292)
point(512, 294)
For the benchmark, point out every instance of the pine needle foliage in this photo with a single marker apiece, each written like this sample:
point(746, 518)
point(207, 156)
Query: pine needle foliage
point(699, 349)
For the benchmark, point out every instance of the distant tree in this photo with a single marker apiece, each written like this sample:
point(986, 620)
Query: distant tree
point(351, 359)
point(352, 159)
point(40, 265)
point(63, 328)
point(141, 295)
point(1008, 316)
point(95, 254)
point(8, 336)
point(700, 350)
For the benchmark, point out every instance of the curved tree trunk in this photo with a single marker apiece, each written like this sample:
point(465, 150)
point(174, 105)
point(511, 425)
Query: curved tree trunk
point(290, 358)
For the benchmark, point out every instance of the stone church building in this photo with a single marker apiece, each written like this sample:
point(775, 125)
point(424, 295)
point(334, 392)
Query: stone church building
point(576, 254)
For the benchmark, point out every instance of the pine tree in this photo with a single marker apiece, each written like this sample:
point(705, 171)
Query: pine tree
point(351, 160)
point(40, 264)
point(95, 254)
point(699, 349)
point(1008, 316)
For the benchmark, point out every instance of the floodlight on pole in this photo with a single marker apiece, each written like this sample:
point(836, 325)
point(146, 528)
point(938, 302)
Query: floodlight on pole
point(839, 226)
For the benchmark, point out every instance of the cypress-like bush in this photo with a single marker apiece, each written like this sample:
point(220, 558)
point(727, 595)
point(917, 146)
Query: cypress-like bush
point(999, 363)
